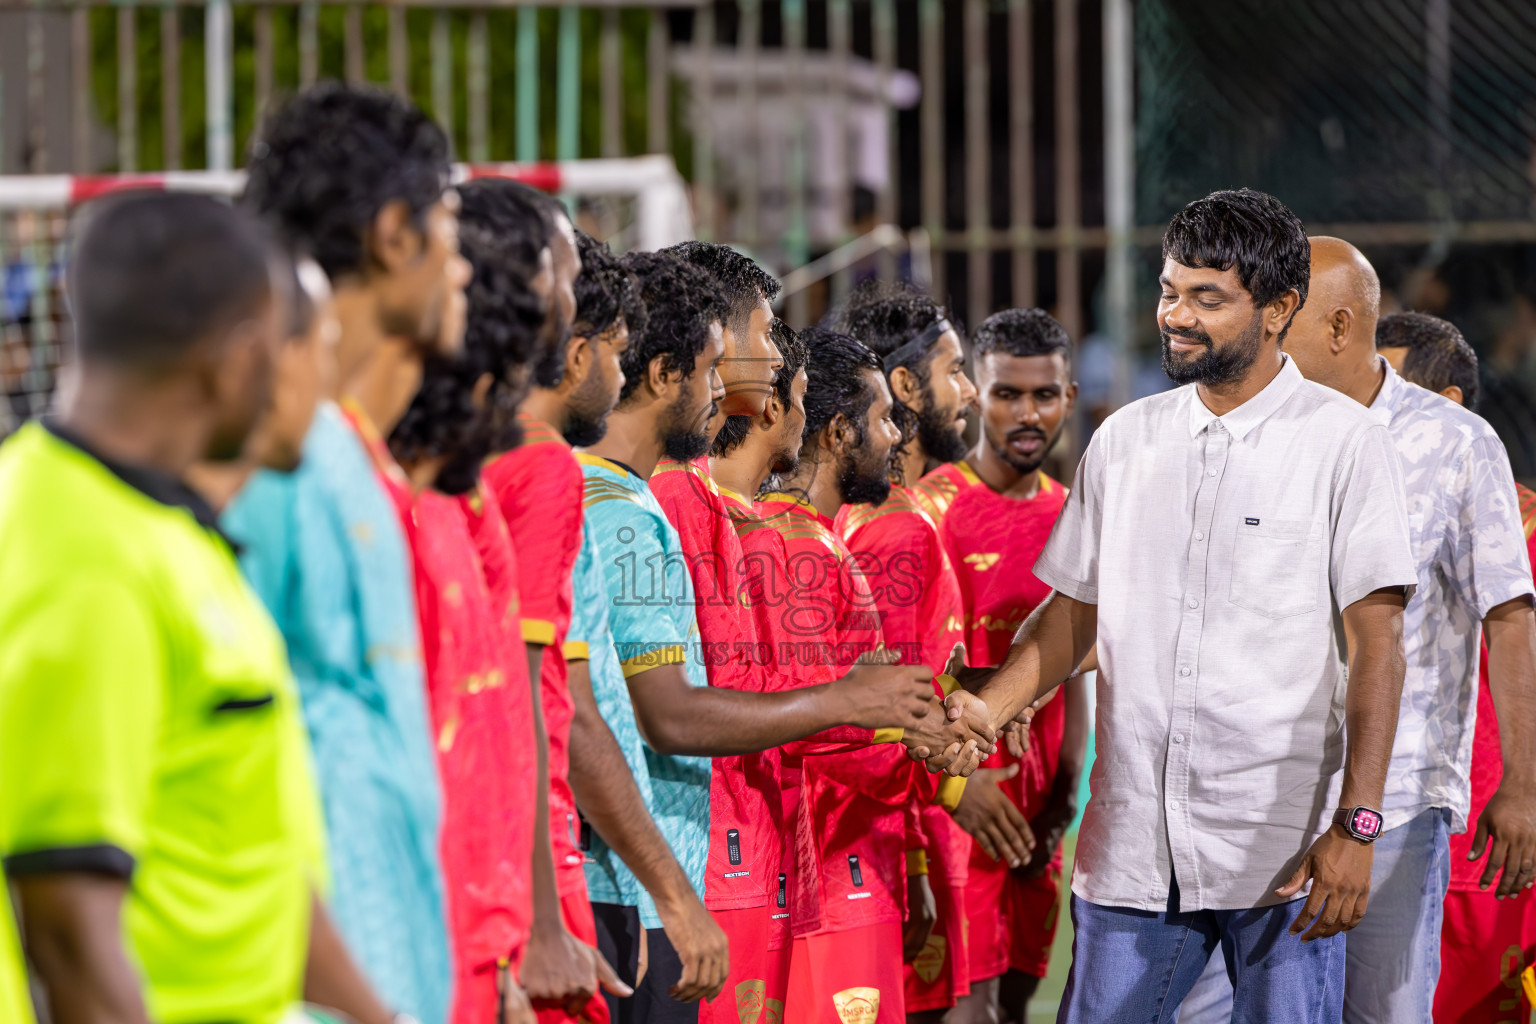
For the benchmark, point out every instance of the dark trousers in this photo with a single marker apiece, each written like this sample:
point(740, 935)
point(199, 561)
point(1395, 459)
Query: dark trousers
point(618, 939)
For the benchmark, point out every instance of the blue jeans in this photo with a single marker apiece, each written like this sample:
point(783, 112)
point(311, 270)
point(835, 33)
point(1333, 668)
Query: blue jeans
point(1136, 966)
point(1393, 957)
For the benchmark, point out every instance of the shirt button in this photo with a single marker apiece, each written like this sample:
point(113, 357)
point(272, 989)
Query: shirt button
point(1178, 737)
point(1199, 535)
point(1211, 473)
point(1193, 603)
point(1184, 670)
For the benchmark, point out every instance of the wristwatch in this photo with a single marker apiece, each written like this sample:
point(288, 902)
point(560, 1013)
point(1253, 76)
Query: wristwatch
point(1364, 823)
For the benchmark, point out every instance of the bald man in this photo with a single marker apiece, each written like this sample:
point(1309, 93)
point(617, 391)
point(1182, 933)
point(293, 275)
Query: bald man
point(1464, 522)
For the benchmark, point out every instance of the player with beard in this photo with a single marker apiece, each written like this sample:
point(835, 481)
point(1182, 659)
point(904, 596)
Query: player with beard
point(745, 839)
point(538, 488)
point(671, 394)
point(503, 896)
point(847, 885)
point(610, 781)
point(358, 178)
point(922, 612)
point(996, 509)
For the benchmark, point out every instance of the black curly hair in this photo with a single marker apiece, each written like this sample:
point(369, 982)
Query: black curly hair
point(500, 234)
point(1022, 332)
point(680, 303)
point(328, 162)
point(740, 281)
point(1438, 356)
point(793, 351)
point(1251, 231)
point(606, 292)
point(885, 316)
point(834, 383)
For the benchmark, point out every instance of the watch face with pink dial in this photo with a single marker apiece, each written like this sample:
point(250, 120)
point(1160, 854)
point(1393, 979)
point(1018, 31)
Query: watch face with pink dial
point(1365, 822)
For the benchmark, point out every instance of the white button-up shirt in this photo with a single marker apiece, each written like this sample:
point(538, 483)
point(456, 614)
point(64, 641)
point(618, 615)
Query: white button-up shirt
point(1469, 544)
point(1220, 551)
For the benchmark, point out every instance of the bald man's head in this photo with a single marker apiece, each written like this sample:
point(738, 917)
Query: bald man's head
point(1333, 339)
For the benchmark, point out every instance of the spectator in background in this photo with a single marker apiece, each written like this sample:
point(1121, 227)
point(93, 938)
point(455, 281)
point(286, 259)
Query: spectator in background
point(1485, 940)
point(1431, 353)
point(165, 750)
point(359, 179)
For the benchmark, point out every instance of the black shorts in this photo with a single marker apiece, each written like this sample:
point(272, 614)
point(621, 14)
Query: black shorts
point(618, 939)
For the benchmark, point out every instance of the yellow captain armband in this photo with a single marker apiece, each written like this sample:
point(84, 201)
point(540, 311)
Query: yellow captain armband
point(917, 862)
point(950, 792)
point(888, 735)
point(947, 684)
point(538, 631)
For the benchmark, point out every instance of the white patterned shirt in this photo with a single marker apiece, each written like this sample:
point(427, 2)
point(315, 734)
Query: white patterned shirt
point(1468, 542)
point(1220, 552)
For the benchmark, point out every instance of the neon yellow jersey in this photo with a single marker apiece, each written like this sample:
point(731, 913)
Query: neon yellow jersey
point(15, 1000)
point(149, 729)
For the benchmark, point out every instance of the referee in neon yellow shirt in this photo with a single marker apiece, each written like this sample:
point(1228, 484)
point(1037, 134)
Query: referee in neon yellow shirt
point(156, 811)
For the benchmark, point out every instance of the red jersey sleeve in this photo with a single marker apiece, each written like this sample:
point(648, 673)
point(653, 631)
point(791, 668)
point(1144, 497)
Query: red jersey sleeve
point(539, 487)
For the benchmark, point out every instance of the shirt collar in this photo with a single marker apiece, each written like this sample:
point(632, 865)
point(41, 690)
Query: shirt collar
point(151, 483)
point(1389, 397)
point(1240, 421)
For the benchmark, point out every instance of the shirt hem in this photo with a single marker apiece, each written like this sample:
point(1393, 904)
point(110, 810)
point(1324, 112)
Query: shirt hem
point(1360, 588)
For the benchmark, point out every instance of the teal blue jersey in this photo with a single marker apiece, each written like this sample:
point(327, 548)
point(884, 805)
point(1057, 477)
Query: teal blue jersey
point(647, 598)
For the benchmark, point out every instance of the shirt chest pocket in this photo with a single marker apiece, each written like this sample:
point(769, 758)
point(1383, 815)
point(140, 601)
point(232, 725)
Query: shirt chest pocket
point(1274, 566)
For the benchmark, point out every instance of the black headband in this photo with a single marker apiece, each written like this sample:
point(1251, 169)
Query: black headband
point(917, 344)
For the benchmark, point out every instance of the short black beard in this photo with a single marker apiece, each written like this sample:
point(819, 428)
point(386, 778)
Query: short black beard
point(1214, 368)
point(684, 441)
point(582, 431)
point(685, 445)
point(585, 425)
point(862, 484)
point(936, 432)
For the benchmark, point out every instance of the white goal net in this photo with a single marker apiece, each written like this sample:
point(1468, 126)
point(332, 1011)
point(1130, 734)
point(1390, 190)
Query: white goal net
point(634, 203)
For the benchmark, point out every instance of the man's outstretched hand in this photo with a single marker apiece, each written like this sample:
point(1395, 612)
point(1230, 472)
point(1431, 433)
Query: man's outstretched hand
point(1340, 868)
point(882, 695)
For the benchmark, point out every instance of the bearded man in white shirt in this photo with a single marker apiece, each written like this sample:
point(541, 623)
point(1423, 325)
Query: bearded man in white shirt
point(1229, 545)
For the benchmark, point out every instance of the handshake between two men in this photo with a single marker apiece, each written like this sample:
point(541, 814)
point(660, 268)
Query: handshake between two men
point(952, 734)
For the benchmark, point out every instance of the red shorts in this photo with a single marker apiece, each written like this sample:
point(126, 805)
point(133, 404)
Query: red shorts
point(847, 977)
point(941, 974)
point(759, 978)
point(1012, 920)
point(1484, 945)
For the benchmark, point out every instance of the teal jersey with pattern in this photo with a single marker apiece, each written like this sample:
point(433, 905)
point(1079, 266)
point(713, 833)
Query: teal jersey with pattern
point(609, 880)
point(647, 597)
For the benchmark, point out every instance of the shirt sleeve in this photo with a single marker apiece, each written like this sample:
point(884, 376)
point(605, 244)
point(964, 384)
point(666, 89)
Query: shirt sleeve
point(540, 492)
point(1484, 533)
point(1069, 562)
point(82, 694)
point(1370, 546)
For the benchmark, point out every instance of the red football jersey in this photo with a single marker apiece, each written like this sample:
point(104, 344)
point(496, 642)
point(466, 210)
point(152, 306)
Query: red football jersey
point(993, 542)
point(539, 488)
point(745, 827)
point(850, 835)
point(1487, 755)
point(921, 614)
point(478, 694)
